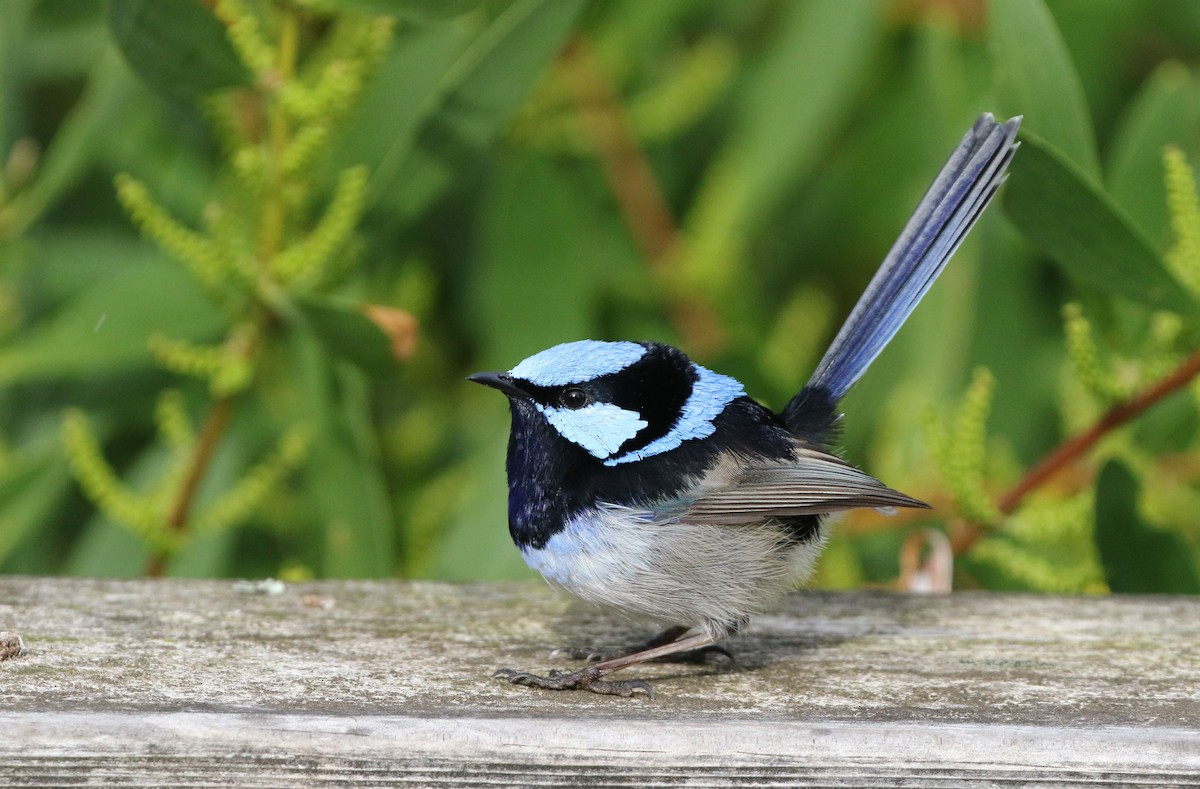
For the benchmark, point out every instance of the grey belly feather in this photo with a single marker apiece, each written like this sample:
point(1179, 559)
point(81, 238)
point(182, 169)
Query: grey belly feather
point(659, 568)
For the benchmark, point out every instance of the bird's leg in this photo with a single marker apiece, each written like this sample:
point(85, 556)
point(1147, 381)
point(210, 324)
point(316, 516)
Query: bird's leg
point(592, 677)
point(668, 636)
point(596, 655)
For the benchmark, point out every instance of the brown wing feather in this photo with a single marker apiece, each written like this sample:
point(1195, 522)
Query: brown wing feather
point(814, 483)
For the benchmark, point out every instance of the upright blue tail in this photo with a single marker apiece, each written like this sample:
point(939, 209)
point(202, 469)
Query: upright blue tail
point(949, 210)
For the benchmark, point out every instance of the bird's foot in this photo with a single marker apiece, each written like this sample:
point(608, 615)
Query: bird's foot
point(584, 679)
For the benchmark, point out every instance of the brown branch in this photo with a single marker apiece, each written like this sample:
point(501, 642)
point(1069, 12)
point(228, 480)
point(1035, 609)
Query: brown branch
point(206, 446)
point(1074, 448)
point(271, 232)
point(635, 188)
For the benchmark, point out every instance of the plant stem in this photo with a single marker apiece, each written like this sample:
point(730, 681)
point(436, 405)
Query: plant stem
point(1077, 446)
point(271, 231)
point(271, 235)
point(634, 186)
point(206, 446)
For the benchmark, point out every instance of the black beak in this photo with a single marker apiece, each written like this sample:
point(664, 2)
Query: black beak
point(501, 381)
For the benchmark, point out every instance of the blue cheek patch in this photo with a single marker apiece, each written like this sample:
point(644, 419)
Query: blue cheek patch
point(710, 394)
point(576, 362)
point(600, 428)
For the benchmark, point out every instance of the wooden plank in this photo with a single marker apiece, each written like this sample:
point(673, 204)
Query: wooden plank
point(146, 683)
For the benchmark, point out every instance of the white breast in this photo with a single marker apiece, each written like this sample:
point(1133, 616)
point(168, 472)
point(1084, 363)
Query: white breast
point(657, 568)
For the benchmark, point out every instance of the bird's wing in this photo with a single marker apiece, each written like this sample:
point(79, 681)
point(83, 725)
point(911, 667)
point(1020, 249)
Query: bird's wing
point(812, 484)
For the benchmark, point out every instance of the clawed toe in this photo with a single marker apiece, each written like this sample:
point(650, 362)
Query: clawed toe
point(669, 645)
point(587, 679)
point(516, 677)
point(625, 688)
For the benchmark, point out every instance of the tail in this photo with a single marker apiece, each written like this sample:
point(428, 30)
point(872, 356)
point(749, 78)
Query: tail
point(949, 210)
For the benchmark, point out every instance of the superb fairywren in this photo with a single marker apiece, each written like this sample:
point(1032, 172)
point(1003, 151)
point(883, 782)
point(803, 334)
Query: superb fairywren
point(644, 482)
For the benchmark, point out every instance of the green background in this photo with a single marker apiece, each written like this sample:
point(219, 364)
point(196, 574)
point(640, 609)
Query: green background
point(784, 144)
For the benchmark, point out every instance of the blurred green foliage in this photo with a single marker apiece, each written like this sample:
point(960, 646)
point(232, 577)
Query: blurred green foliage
point(222, 222)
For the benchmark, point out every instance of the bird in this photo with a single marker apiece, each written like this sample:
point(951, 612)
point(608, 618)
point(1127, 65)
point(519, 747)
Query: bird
point(646, 483)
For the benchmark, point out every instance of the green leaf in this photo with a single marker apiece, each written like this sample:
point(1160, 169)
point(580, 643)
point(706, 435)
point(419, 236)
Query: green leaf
point(75, 258)
point(817, 60)
point(419, 9)
point(106, 550)
point(473, 101)
point(346, 489)
point(348, 334)
point(1017, 334)
point(104, 329)
point(98, 115)
point(30, 489)
point(1071, 219)
point(14, 35)
point(1165, 111)
point(794, 102)
point(533, 213)
point(1135, 556)
point(1037, 79)
point(476, 545)
point(177, 46)
point(405, 91)
point(205, 555)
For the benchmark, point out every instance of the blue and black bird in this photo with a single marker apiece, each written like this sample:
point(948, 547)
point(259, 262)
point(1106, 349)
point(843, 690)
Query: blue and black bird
point(644, 482)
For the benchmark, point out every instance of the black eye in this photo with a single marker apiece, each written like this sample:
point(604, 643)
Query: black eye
point(573, 399)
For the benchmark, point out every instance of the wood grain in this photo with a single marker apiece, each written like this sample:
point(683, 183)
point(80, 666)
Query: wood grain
point(146, 683)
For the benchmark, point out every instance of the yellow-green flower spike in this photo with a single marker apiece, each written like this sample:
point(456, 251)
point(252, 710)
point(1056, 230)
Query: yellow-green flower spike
point(1033, 569)
point(250, 165)
point(1183, 259)
point(232, 227)
point(244, 32)
point(1161, 354)
point(1085, 358)
point(967, 453)
point(1049, 545)
point(673, 105)
point(1055, 522)
point(234, 376)
point(304, 262)
point(715, 242)
point(358, 48)
point(185, 358)
point(308, 143)
point(172, 420)
point(102, 487)
point(226, 372)
point(960, 449)
point(335, 90)
point(201, 255)
point(551, 121)
point(239, 503)
point(795, 340)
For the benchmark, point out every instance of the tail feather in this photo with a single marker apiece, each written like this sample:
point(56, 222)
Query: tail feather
point(950, 208)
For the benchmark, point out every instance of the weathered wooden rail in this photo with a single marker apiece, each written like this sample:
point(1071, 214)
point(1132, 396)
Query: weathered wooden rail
point(194, 683)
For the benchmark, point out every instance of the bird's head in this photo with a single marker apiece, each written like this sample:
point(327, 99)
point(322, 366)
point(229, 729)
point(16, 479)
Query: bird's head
point(619, 401)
